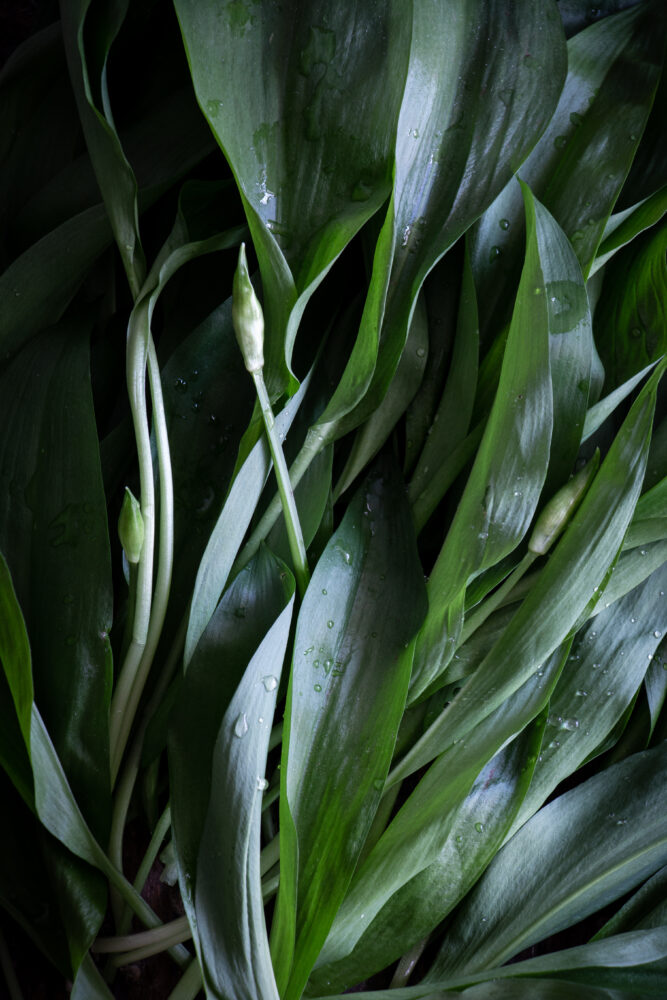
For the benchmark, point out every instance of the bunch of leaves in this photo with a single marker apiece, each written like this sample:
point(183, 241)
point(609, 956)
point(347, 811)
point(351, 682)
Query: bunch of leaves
point(425, 745)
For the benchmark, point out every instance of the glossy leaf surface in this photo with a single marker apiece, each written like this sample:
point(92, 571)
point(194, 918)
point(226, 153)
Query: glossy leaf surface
point(346, 696)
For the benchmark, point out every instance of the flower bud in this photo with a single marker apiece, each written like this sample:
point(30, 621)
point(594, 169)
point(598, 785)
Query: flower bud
point(131, 527)
point(558, 511)
point(247, 317)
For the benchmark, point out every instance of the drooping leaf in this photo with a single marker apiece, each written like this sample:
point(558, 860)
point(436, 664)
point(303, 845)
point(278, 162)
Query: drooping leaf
point(228, 897)
point(583, 850)
point(345, 700)
point(244, 616)
point(53, 531)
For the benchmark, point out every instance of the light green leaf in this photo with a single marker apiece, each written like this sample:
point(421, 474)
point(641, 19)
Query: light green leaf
point(228, 897)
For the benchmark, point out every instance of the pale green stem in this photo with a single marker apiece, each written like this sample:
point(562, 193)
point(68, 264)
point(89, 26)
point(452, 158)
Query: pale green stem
point(276, 735)
point(150, 942)
point(13, 986)
point(487, 607)
point(292, 523)
point(269, 856)
point(406, 965)
point(270, 886)
point(189, 984)
point(159, 833)
point(137, 351)
point(165, 561)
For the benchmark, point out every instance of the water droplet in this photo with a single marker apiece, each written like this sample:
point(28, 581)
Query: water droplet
point(642, 552)
point(560, 141)
point(504, 223)
point(241, 725)
point(378, 784)
point(635, 332)
point(361, 191)
point(459, 838)
point(316, 663)
point(317, 687)
point(580, 693)
point(180, 384)
point(575, 118)
point(657, 633)
point(554, 744)
point(324, 591)
point(406, 236)
point(633, 137)
point(633, 620)
point(621, 822)
point(420, 352)
point(577, 235)
point(270, 682)
point(262, 784)
point(330, 623)
point(494, 253)
point(374, 635)
point(240, 612)
point(537, 291)
point(479, 827)
point(570, 725)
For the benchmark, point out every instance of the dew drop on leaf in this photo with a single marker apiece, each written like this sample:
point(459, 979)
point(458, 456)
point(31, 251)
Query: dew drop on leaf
point(270, 682)
point(241, 725)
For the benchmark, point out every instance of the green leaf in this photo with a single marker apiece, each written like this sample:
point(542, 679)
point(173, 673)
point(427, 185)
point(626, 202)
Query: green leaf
point(623, 227)
point(53, 532)
point(603, 959)
point(474, 832)
point(345, 700)
point(583, 850)
point(504, 486)
point(248, 609)
point(422, 828)
point(572, 577)
point(228, 897)
point(451, 420)
point(606, 667)
point(579, 165)
point(631, 315)
point(38, 286)
point(231, 526)
point(304, 96)
point(89, 984)
point(89, 80)
point(599, 412)
point(482, 82)
point(644, 909)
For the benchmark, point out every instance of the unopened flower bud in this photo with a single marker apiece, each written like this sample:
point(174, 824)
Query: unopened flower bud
point(558, 511)
point(131, 527)
point(247, 317)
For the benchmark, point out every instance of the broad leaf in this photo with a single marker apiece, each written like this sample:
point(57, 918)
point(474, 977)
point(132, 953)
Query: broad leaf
point(345, 700)
point(583, 850)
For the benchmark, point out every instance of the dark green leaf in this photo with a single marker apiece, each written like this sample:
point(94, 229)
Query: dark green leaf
point(345, 700)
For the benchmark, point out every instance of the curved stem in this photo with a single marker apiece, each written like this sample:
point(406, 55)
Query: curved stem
point(165, 561)
point(159, 833)
point(137, 350)
point(292, 523)
point(157, 939)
